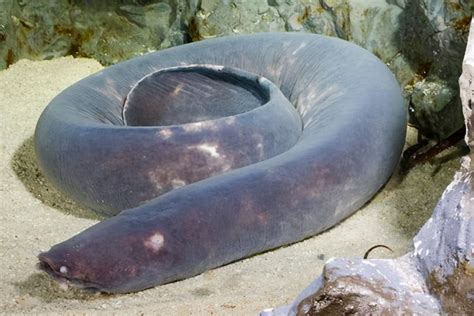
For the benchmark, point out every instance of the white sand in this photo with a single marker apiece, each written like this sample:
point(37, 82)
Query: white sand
point(245, 287)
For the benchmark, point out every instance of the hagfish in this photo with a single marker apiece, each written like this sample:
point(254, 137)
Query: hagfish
point(213, 151)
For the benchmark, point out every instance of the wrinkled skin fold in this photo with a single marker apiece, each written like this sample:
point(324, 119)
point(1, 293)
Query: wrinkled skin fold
point(192, 196)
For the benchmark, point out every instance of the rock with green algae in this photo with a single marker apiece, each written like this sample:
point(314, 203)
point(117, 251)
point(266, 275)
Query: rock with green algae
point(108, 31)
point(432, 38)
point(222, 17)
point(435, 107)
point(7, 37)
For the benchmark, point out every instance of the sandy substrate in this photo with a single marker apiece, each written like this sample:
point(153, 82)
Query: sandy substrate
point(246, 287)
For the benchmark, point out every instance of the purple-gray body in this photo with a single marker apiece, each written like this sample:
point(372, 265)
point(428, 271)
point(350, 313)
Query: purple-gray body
point(203, 182)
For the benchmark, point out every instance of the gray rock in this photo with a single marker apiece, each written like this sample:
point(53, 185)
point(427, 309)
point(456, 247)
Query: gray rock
point(466, 84)
point(356, 286)
point(444, 246)
point(373, 26)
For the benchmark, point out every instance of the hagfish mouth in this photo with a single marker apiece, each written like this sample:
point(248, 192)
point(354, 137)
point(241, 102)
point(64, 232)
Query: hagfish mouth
point(213, 151)
point(60, 274)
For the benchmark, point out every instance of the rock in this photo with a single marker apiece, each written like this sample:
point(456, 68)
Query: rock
point(374, 26)
point(109, 31)
point(356, 286)
point(369, 21)
point(46, 35)
point(437, 277)
point(466, 84)
point(7, 34)
point(240, 16)
point(435, 106)
point(445, 244)
point(432, 37)
point(324, 17)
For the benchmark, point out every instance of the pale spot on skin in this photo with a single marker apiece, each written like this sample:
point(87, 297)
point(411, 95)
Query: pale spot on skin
point(230, 120)
point(211, 66)
point(186, 65)
point(194, 127)
point(262, 218)
point(226, 167)
point(260, 149)
point(210, 149)
point(176, 90)
point(63, 269)
point(302, 45)
point(165, 133)
point(176, 183)
point(155, 242)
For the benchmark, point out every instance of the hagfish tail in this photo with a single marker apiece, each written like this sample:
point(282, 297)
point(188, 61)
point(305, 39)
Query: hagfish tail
point(213, 151)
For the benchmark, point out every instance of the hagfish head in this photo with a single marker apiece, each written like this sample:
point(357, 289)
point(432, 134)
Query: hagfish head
point(114, 256)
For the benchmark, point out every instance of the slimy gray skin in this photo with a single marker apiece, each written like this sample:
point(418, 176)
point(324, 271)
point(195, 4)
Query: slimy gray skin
point(207, 162)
